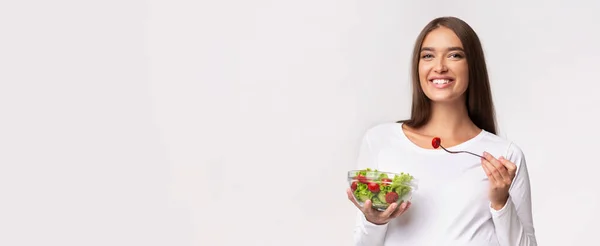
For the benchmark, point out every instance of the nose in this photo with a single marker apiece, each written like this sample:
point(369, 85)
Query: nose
point(440, 66)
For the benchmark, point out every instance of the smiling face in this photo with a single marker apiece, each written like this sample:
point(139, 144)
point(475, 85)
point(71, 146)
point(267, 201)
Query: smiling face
point(443, 69)
point(438, 54)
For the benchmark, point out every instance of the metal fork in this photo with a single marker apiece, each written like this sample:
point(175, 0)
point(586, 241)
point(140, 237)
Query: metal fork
point(437, 142)
point(462, 151)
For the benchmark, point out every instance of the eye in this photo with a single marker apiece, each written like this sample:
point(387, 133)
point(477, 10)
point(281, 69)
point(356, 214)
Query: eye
point(427, 56)
point(456, 55)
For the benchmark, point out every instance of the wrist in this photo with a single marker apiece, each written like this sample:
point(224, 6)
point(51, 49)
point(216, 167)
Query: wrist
point(376, 223)
point(497, 205)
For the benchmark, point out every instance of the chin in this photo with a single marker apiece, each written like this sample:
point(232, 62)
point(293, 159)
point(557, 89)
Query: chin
point(437, 100)
point(444, 98)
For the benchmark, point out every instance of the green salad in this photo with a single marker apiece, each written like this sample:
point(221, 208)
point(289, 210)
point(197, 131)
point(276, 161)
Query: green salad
point(379, 188)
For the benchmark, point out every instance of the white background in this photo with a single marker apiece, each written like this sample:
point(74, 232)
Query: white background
point(234, 122)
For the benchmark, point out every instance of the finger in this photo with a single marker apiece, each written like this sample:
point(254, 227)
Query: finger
point(488, 170)
point(390, 210)
point(497, 165)
point(497, 177)
point(508, 174)
point(497, 169)
point(401, 209)
point(351, 198)
point(510, 166)
point(368, 209)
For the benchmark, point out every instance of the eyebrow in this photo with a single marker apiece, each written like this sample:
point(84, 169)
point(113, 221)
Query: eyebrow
point(448, 49)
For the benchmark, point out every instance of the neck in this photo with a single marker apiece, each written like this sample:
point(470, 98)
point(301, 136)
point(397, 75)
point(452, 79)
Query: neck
point(450, 120)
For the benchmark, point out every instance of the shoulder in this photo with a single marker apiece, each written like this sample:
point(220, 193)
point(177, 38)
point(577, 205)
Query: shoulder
point(382, 129)
point(381, 134)
point(499, 146)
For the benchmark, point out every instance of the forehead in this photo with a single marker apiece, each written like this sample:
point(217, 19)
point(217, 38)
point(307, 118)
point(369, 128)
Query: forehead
point(441, 37)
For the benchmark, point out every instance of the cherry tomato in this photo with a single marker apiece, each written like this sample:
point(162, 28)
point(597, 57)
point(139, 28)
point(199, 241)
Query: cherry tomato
point(391, 197)
point(435, 142)
point(361, 178)
point(373, 187)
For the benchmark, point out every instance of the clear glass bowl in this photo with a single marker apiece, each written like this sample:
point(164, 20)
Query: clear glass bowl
point(382, 188)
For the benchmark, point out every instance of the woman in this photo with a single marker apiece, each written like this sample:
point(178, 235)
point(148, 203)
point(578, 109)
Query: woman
point(461, 199)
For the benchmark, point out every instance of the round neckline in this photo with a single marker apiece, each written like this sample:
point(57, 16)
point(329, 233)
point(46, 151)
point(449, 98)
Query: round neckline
point(414, 146)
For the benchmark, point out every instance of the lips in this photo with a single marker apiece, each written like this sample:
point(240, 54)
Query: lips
point(441, 80)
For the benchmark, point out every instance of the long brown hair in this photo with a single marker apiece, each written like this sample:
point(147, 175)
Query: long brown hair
point(478, 95)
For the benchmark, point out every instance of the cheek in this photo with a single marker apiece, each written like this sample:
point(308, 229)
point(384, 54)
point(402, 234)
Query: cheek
point(463, 74)
point(462, 70)
point(423, 71)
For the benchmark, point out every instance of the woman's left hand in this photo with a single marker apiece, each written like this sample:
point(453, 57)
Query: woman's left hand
point(500, 172)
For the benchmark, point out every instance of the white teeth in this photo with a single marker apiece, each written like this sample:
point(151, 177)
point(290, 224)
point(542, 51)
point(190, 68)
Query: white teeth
point(441, 81)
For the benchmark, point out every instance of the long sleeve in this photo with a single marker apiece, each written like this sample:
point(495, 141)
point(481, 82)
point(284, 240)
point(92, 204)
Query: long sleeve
point(365, 232)
point(514, 222)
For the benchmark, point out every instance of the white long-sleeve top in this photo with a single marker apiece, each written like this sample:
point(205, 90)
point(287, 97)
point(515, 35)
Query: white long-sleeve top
point(451, 203)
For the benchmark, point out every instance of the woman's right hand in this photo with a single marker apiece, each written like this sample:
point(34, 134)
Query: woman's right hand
point(379, 217)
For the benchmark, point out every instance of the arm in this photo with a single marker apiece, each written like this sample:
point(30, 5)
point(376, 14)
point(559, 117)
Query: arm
point(365, 232)
point(514, 222)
